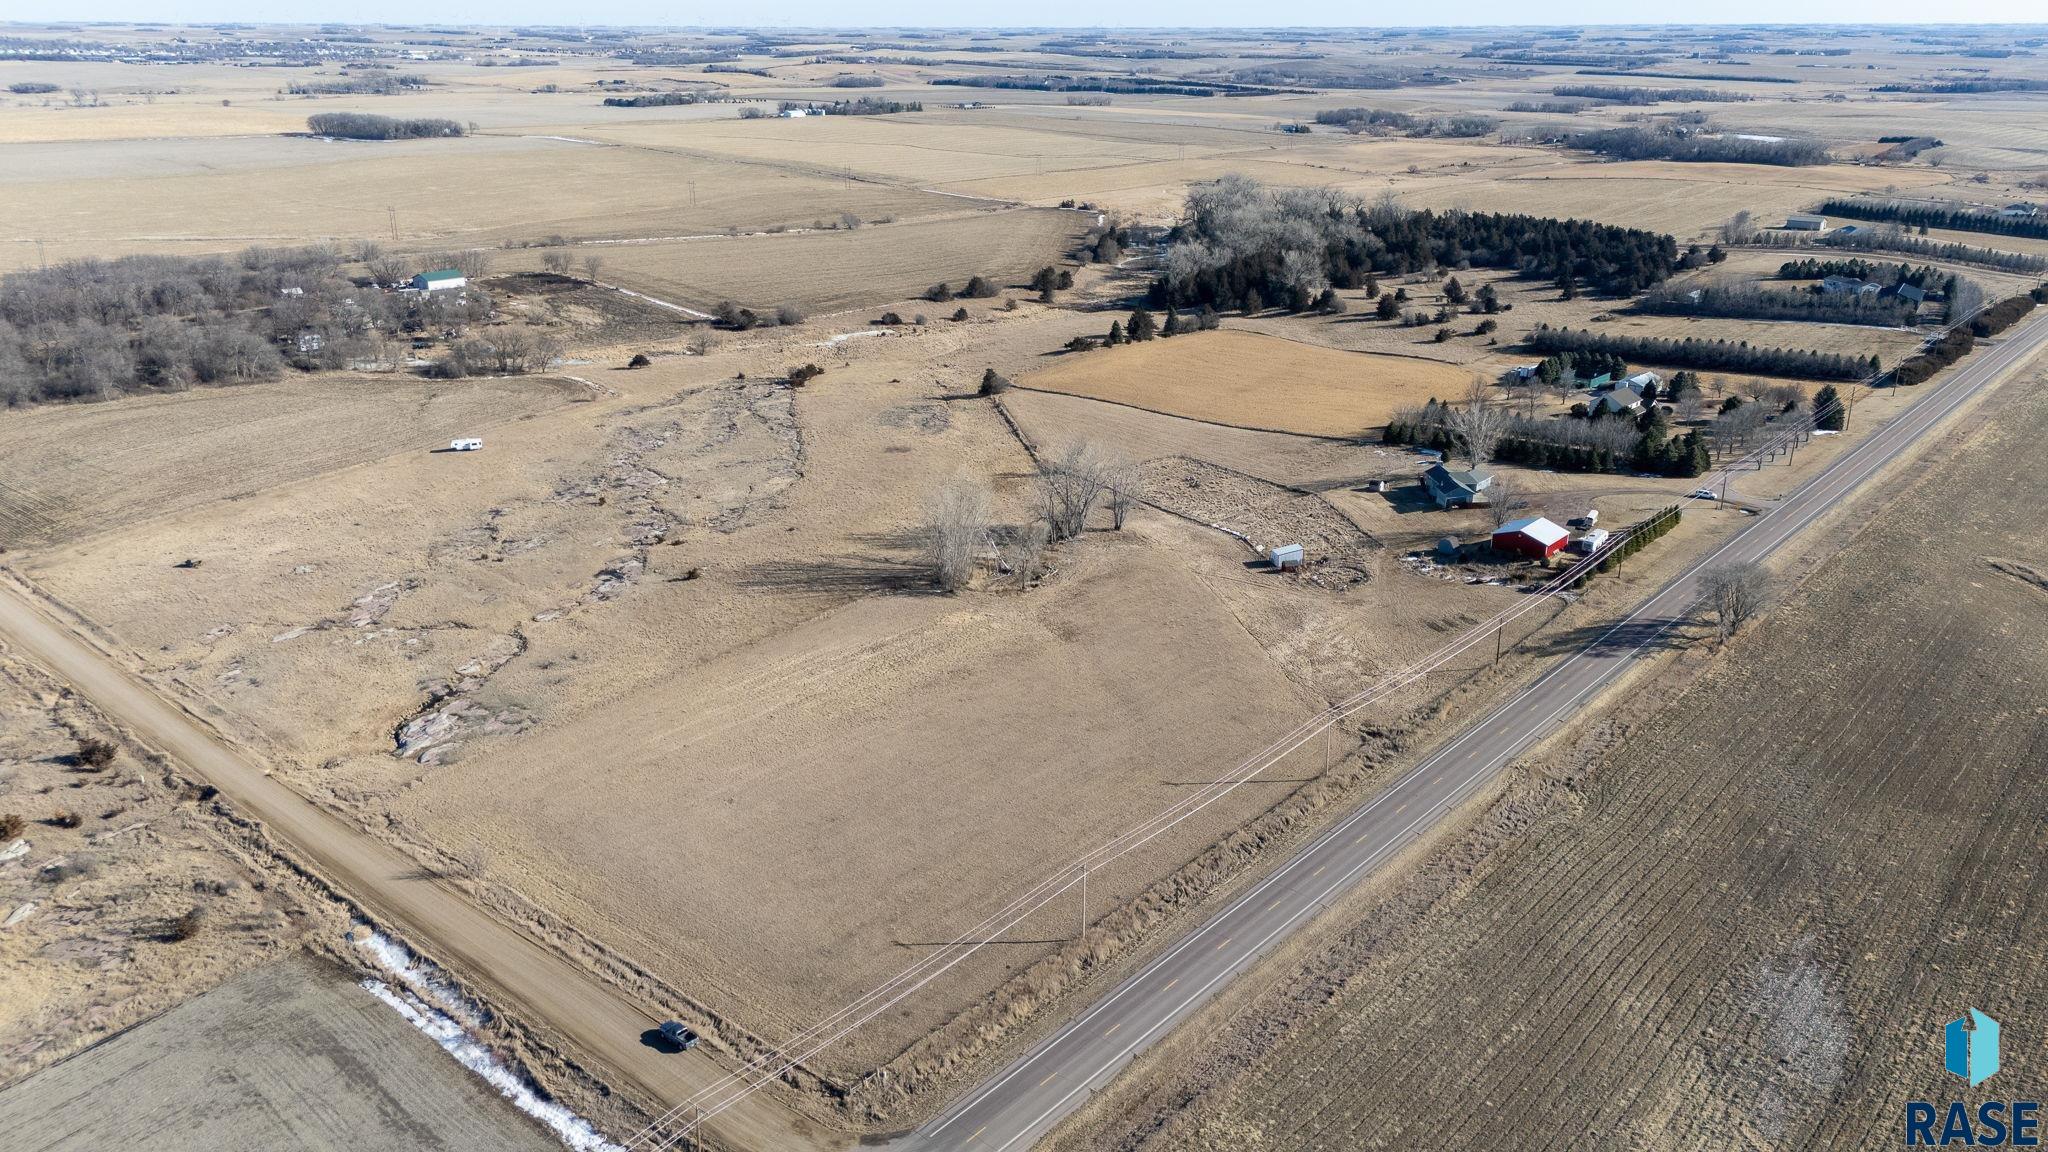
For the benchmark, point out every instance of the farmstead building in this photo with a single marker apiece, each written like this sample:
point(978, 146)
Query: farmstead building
point(1456, 489)
point(1534, 537)
point(439, 281)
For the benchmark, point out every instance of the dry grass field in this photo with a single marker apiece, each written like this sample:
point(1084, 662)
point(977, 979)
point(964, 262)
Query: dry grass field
point(1252, 381)
point(835, 270)
point(67, 472)
point(1739, 919)
point(480, 190)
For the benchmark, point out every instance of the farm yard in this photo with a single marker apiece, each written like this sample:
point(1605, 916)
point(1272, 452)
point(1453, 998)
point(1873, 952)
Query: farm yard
point(755, 655)
point(1739, 917)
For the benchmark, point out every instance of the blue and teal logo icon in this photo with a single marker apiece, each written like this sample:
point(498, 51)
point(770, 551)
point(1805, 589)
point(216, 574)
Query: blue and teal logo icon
point(1972, 1047)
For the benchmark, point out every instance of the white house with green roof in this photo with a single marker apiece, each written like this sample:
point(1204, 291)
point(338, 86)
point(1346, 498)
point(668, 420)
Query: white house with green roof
point(439, 281)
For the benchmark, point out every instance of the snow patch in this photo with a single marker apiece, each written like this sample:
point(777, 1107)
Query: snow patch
point(429, 1003)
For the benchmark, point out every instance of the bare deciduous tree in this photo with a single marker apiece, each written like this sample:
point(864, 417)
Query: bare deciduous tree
point(474, 860)
point(593, 263)
point(1735, 592)
point(1070, 482)
point(386, 270)
point(1026, 554)
point(1740, 228)
point(1122, 485)
point(1480, 424)
point(556, 261)
point(1503, 501)
point(956, 531)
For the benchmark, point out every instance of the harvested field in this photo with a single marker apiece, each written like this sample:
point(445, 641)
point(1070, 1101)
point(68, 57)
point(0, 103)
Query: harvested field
point(824, 271)
point(477, 190)
point(1252, 381)
point(1737, 920)
point(934, 148)
point(293, 1055)
point(67, 472)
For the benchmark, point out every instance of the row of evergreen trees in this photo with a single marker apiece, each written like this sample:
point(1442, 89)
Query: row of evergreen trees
point(1926, 277)
point(1641, 443)
point(1746, 301)
point(1956, 219)
point(1709, 355)
point(1634, 539)
point(1144, 326)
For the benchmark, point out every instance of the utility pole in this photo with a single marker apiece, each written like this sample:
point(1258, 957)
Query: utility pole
point(391, 210)
point(1084, 904)
point(1496, 642)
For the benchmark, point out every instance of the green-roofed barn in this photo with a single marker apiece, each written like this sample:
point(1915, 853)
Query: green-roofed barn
point(439, 281)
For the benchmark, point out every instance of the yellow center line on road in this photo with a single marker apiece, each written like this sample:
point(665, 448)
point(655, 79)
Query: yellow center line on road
point(1402, 808)
point(1219, 947)
point(1113, 1027)
point(1274, 904)
point(1170, 984)
point(977, 1132)
point(1049, 1079)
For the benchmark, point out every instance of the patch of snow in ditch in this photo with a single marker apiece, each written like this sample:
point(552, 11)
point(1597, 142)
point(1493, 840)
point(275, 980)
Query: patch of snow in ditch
point(429, 1004)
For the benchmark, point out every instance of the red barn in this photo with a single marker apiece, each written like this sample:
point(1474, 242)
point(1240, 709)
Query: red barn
point(1532, 536)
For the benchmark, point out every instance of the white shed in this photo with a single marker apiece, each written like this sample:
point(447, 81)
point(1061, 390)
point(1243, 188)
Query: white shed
point(1285, 556)
point(1806, 223)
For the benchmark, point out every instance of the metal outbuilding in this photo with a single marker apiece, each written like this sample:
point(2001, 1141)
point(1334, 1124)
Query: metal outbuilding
point(1535, 537)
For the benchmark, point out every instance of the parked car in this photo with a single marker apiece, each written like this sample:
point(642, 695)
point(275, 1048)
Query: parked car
point(674, 1032)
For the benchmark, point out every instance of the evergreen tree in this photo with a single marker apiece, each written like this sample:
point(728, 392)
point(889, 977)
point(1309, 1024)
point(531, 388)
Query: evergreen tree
point(1454, 291)
point(1116, 332)
point(1172, 325)
point(1827, 409)
point(1253, 303)
point(1142, 326)
point(1387, 309)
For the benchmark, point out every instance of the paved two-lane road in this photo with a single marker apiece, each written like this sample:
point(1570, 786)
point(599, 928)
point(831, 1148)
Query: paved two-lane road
point(1021, 1103)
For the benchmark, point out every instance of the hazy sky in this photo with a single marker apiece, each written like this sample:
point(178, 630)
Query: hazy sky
point(1040, 13)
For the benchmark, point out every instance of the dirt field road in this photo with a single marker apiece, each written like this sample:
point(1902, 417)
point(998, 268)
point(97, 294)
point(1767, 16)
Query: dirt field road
point(1033, 1094)
point(521, 977)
